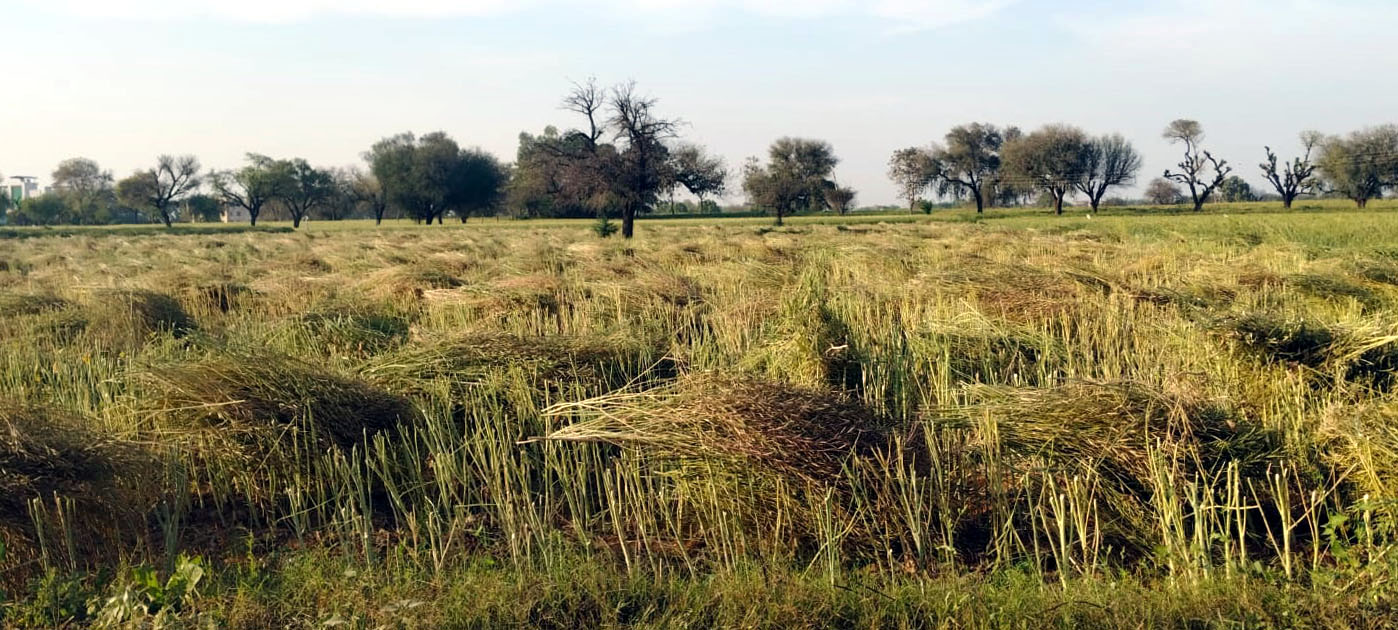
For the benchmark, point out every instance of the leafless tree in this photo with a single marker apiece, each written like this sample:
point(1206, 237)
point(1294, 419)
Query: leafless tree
point(1295, 177)
point(1200, 171)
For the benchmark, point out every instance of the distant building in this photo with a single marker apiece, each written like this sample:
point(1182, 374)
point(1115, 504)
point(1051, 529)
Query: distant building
point(233, 213)
point(21, 187)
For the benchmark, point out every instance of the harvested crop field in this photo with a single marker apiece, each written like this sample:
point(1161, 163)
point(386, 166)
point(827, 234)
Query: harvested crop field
point(1185, 421)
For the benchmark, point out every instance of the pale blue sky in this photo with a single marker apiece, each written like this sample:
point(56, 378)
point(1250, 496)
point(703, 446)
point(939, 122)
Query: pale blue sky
point(122, 81)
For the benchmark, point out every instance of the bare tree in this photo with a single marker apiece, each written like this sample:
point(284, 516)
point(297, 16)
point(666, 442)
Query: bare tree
point(1110, 161)
point(589, 99)
point(1200, 171)
point(640, 136)
point(1295, 178)
point(254, 185)
point(163, 187)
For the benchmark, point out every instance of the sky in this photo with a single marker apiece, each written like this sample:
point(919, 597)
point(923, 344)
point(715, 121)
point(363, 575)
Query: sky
point(122, 81)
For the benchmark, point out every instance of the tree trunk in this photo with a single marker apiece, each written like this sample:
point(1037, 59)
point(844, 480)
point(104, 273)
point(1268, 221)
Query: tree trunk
point(253, 217)
point(779, 217)
point(295, 220)
point(1286, 201)
point(165, 216)
point(1361, 203)
point(463, 217)
point(628, 221)
point(1058, 205)
point(378, 218)
point(980, 203)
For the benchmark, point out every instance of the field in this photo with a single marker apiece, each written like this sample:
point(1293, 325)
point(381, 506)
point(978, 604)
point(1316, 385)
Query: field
point(907, 421)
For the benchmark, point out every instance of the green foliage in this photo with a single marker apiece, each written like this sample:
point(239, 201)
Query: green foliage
point(143, 595)
point(883, 420)
point(1360, 165)
point(604, 226)
point(431, 176)
point(794, 179)
point(42, 210)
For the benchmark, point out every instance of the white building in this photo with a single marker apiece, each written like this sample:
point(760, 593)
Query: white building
point(21, 187)
point(233, 213)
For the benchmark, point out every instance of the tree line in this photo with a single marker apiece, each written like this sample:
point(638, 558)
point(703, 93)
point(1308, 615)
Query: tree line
point(623, 158)
point(990, 166)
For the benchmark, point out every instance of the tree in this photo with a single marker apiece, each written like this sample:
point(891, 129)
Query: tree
point(1200, 171)
point(640, 138)
point(839, 198)
point(307, 188)
point(161, 188)
point(46, 209)
point(1163, 192)
point(1361, 165)
point(559, 175)
point(369, 192)
point(1110, 161)
point(795, 177)
point(431, 176)
point(251, 187)
point(86, 189)
point(203, 207)
point(969, 161)
point(1296, 177)
point(913, 170)
point(342, 201)
point(766, 189)
point(479, 184)
point(1052, 159)
point(700, 174)
point(1235, 189)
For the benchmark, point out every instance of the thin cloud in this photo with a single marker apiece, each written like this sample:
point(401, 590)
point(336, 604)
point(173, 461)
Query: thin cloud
point(903, 14)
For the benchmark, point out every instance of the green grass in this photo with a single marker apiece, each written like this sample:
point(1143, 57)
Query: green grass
point(1141, 418)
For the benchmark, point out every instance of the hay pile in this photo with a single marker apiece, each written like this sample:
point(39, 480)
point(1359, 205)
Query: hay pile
point(338, 329)
point(466, 359)
point(19, 304)
point(46, 453)
point(806, 343)
point(262, 398)
point(1120, 433)
point(803, 434)
point(1366, 357)
point(1014, 292)
point(1364, 440)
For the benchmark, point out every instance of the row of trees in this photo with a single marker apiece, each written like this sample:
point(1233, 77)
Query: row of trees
point(991, 166)
point(620, 162)
point(624, 159)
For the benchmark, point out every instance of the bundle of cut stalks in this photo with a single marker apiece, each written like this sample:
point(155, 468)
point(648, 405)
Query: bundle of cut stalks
point(77, 483)
point(1125, 434)
point(800, 433)
point(269, 395)
point(473, 357)
point(1366, 354)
